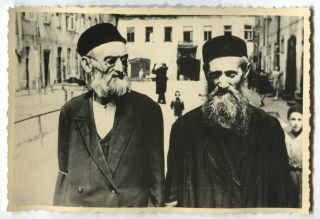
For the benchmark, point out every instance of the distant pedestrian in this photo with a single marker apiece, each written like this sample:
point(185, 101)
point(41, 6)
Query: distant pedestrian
point(161, 81)
point(294, 144)
point(177, 105)
point(251, 78)
point(276, 81)
point(263, 86)
point(141, 73)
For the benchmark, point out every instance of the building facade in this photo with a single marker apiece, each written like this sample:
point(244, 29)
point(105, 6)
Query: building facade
point(279, 43)
point(45, 50)
point(178, 40)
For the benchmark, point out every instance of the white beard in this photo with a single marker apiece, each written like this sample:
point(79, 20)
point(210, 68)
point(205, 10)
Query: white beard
point(105, 85)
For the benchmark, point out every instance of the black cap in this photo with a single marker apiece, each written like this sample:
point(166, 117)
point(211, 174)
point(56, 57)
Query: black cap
point(223, 46)
point(97, 35)
point(297, 108)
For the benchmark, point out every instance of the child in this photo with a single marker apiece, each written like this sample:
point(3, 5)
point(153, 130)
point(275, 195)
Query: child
point(177, 105)
point(294, 144)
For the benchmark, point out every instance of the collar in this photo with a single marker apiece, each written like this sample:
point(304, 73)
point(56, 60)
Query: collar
point(102, 100)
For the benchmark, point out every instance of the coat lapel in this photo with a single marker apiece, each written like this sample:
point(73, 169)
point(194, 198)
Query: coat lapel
point(122, 130)
point(86, 126)
point(213, 144)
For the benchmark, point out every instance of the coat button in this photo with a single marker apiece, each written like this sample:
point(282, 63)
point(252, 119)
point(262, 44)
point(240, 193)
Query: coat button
point(80, 189)
point(113, 191)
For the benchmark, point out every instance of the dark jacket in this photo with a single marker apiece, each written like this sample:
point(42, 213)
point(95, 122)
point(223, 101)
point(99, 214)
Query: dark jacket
point(134, 173)
point(178, 106)
point(201, 174)
point(161, 79)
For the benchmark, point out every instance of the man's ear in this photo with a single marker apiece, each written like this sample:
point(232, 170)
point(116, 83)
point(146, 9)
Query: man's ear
point(86, 64)
point(205, 68)
point(248, 70)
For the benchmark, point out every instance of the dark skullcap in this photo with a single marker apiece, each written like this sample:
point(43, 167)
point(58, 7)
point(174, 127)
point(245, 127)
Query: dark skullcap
point(97, 35)
point(297, 108)
point(223, 46)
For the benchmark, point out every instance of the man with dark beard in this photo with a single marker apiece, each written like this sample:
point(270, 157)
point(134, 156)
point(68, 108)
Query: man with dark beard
point(110, 144)
point(227, 153)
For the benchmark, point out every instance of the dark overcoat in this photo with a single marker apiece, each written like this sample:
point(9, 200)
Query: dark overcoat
point(133, 175)
point(161, 79)
point(201, 174)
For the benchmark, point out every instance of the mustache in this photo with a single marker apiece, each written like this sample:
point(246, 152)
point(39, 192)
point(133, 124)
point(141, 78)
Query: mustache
point(117, 74)
point(112, 73)
point(219, 91)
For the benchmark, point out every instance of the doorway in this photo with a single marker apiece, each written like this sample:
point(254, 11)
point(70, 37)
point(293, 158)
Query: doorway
point(291, 69)
point(188, 65)
point(27, 68)
point(59, 65)
point(46, 58)
point(136, 65)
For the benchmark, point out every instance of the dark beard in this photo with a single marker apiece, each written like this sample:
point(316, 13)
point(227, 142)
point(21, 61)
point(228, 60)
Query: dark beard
point(227, 109)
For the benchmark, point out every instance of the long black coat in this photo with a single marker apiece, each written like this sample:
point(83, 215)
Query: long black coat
point(134, 173)
point(201, 175)
point(161, 79)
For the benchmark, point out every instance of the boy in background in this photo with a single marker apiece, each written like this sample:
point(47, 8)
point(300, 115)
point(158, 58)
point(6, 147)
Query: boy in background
point(177, 105)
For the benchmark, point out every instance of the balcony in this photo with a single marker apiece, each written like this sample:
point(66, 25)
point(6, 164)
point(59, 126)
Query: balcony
point(185, 44)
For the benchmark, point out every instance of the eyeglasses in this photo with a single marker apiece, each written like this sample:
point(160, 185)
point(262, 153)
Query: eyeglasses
point(110, 61)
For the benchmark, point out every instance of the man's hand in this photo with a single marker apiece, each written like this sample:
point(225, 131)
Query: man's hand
point(171, 204)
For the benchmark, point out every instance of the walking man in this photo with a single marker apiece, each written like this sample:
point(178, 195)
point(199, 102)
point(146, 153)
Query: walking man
point(161, 81)
point(227, 153)
point(110, 146)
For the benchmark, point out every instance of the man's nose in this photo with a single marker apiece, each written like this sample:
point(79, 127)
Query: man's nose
point(223, 81)
point(118, 65)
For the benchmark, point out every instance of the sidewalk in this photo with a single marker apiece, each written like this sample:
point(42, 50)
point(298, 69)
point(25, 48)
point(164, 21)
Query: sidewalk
point(27, 105)
point(35, 103)
point(279, 106)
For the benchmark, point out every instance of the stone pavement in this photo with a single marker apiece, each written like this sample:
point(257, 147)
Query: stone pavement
point(29, 105)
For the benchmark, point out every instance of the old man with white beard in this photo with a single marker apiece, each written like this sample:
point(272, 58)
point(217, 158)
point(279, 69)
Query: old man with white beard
point(110, 144)
point(227, 153)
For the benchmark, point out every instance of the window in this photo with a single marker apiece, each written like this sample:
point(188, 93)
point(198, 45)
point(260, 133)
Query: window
point(47, 19)
point(207, 33)
point(58, 20)
point(68, 61)
point(80, 24)
point(149, 31)
point(70, 22)
point(187, 34)
point(29, 16)
point(276, 48)
point(282, 45)
point(228, 30)
point(167, 34)
point(248, 32)
point(130, 34)
point(269, 49)
point(89, 21)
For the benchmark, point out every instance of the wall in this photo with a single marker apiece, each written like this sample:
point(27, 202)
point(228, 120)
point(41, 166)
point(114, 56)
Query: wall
point(289, 26)
point(47, 32)
point(159, 51)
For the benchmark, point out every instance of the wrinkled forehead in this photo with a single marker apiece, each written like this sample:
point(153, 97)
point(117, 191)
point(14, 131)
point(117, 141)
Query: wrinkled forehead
point(225, 63)
point(110, 49)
